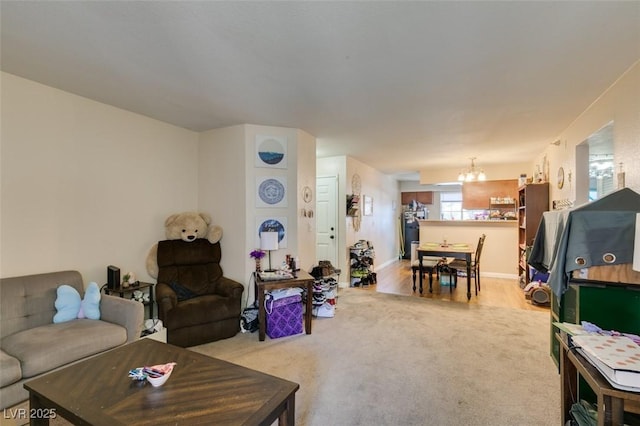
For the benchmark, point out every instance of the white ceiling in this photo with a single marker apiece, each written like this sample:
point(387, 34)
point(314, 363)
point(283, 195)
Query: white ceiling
point(401, 86)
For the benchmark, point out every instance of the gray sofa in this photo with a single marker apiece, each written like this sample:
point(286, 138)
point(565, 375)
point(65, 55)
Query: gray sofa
point(32, 345)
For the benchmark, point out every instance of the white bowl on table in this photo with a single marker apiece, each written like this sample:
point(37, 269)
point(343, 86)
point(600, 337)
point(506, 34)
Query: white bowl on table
point(166, 369)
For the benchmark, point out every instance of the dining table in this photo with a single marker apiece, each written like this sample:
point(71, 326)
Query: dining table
point(462, 251)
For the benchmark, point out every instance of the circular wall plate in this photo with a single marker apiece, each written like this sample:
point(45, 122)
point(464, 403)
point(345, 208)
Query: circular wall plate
point(271, 191)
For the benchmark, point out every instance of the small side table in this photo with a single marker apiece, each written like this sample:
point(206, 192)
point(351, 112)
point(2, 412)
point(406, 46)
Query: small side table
point(121, 291)
point(303, 280)
point(611, 402)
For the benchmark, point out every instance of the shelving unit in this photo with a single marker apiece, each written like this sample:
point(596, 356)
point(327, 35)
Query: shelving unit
point(504, 208)
point(533, 200)
point(128, 291)
point(361, 264)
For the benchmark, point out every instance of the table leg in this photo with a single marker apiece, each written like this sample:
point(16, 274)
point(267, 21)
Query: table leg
point(420, 271)
point(614, 414)
point(307, 320)
point(568, 384)
point(288, 415)
point(468, 277)
point(152, 301)
point(262, 317)
point(35, 408)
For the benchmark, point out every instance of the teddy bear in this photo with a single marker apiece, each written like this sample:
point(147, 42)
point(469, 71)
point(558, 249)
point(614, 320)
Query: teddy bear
point(186, 226)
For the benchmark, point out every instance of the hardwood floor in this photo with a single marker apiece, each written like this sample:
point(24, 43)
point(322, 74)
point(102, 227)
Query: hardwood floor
point(396, 279)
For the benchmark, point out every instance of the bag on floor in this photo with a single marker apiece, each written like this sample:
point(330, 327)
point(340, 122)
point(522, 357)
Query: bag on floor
point(249, 319)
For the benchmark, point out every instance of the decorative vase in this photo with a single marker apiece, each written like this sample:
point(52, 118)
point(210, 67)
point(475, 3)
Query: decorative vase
point(258, 269)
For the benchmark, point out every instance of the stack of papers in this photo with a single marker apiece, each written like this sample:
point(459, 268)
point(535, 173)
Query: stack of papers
point(616, 357)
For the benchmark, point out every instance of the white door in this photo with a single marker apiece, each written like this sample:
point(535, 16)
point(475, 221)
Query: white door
point(327, 219)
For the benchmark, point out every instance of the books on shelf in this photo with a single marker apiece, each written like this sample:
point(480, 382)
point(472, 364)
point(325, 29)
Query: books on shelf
point(616, 357)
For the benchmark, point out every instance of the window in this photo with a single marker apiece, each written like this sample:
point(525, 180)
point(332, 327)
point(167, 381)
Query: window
point(451, 205)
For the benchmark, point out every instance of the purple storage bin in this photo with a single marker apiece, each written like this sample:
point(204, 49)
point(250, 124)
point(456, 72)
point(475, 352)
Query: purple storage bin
point(284, 316)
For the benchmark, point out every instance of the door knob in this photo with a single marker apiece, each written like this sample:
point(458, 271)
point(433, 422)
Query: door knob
point(331, 237)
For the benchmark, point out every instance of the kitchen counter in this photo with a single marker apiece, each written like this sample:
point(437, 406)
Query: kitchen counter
point(500, 252)
point(435, 222)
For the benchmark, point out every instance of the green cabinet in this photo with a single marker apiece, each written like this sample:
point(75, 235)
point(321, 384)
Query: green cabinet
point(608, 305)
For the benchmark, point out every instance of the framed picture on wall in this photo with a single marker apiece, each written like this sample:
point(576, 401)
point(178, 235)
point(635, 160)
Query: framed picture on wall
point(271, 191)
point(272, 224)
point(271, 151)
point(367, 206)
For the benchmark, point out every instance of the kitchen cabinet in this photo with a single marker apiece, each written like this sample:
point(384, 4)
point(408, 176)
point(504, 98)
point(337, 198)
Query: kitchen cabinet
point(423, 197)
point(477, 195)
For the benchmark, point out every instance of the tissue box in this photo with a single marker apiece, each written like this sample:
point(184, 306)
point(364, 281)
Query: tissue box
point(284, 316)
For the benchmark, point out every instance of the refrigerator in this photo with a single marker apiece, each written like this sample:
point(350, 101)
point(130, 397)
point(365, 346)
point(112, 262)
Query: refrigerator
point(411, 229)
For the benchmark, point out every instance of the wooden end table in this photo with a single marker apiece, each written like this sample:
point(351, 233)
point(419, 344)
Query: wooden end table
point(201, 390)
point(610, 401)
point(302, 280)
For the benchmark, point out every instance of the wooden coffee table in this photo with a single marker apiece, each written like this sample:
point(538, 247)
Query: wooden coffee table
point(201, 390)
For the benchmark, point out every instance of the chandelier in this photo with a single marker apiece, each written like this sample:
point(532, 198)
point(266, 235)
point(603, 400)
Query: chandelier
point(471, 174)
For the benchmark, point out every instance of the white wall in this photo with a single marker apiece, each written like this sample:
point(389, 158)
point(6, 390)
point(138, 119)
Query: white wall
point(621, 105)
point(85, 185)
point(228, 181)
point(381, 228)
point(306, 164)
point(221, 192)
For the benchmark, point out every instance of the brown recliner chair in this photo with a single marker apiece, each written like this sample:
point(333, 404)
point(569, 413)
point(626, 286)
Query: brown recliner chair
point(195, 302)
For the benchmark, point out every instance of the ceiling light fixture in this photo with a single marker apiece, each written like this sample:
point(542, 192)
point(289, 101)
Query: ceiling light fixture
point(472, 174)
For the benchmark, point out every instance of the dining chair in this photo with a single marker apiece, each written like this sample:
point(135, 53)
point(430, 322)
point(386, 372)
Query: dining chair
point(460, 264)
point(429, 265)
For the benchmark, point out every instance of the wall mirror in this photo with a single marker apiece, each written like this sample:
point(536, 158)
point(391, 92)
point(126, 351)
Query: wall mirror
point(595, 165)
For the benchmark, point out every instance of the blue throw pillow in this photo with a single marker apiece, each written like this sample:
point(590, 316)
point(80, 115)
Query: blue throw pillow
point(70, 306)
point(67, 304)
point(90, 307)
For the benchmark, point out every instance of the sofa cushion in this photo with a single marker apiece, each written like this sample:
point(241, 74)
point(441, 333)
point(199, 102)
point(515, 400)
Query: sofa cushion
point(49, 346)
point(10, 371)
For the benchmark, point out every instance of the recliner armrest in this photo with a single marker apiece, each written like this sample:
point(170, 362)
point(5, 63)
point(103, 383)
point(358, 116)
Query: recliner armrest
point(166, 298)
point(125, 312)
point(229, 288)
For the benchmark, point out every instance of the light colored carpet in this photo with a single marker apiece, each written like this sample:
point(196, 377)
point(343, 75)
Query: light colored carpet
point(397, 360)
